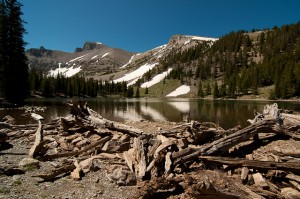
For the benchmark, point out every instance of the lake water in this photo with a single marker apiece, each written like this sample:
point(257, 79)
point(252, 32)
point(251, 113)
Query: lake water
point(228, 113)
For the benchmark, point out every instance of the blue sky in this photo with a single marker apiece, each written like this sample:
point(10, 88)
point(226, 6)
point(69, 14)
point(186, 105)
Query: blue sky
point(140, 25)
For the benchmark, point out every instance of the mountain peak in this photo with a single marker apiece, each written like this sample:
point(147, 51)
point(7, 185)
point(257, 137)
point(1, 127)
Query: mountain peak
point(185, 39)
point(92, 45)
point(89, 46)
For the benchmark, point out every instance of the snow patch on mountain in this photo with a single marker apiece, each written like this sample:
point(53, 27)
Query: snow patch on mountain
point(130, 60)
point(67, 72)
point(137, 73)
point(159, 53)
point(181, 90)
point(199, 39)
point(77, 59)
point(105, 55)
point(156, 79)
point(94, 57)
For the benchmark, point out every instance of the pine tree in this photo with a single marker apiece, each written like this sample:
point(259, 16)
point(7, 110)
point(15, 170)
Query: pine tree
point(223, 89)
point(15, 70)
point(207, 88)
point(3, 47)
point(137, 93)
point(146, 91)
point(216, 90)
point(130, 92)
point(200, 90)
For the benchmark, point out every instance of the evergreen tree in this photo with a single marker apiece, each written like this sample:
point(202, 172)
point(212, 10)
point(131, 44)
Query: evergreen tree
point(137, 93)
point(146, 91)
point(216, 90)
point(130, 92)
point(223, 89)
point(124, 89)
point(200, 90)
point(3, 47)
point(14, 69)
point(207, 88)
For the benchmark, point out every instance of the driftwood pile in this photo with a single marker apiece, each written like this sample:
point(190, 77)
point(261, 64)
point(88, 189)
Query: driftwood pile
point(171, 160)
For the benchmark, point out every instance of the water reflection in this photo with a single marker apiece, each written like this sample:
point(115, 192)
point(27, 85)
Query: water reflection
point(228, 113)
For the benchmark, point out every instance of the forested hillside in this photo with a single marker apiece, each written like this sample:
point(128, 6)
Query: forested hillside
point(241, 62)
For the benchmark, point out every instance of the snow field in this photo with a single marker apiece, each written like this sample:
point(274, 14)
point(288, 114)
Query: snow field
point(181, 90)
point(156, 79)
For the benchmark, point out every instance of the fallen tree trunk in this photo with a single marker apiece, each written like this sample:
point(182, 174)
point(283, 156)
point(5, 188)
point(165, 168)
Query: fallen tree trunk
point(86, 115)
point(74, 153)
point(293, 167)
point(38, 147)
point(50, 176)
point(222, 145)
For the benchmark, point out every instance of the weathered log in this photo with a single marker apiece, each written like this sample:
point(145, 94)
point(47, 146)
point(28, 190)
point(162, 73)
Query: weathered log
point(4, 125)
point(265, 193)
point(168, 163)
point(290, 193)
point(251, 194)
point(286, 152)
point(76, 174)
point(129, 158)
point(50, 176)
point(147, 190)
point(11, 170)
point(92, 118)
point(293, 177)
point(157, 153)
point(293, 167)
point(178, 154)
point(222, 145)
point(140, 158)
point(295, 184)
point(75, 153)
point(205, 189)
point(38, 148)
point(290, 119)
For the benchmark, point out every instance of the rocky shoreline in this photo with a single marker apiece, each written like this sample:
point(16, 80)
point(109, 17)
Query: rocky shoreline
point(87, 156)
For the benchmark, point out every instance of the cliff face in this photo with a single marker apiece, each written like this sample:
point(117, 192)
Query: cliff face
point(91, 46)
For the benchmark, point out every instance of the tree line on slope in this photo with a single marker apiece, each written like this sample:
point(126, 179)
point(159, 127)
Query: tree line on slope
point(241, 62)
point(78, 85)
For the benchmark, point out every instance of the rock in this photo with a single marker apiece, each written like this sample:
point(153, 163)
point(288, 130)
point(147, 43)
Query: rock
point(89, 164)
point(29, 163)
point(290, 193)
point(260, 181)
point(244, 174)
point(123, 177)
point(16, 178)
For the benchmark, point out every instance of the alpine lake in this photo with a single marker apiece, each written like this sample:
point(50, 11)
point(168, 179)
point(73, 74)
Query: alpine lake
point(226, 113)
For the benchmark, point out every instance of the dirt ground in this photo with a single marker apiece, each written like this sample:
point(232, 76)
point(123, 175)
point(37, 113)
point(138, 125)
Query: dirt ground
point(97, 184)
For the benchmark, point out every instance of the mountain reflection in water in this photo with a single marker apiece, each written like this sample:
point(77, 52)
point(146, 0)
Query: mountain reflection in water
point(228, 113)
